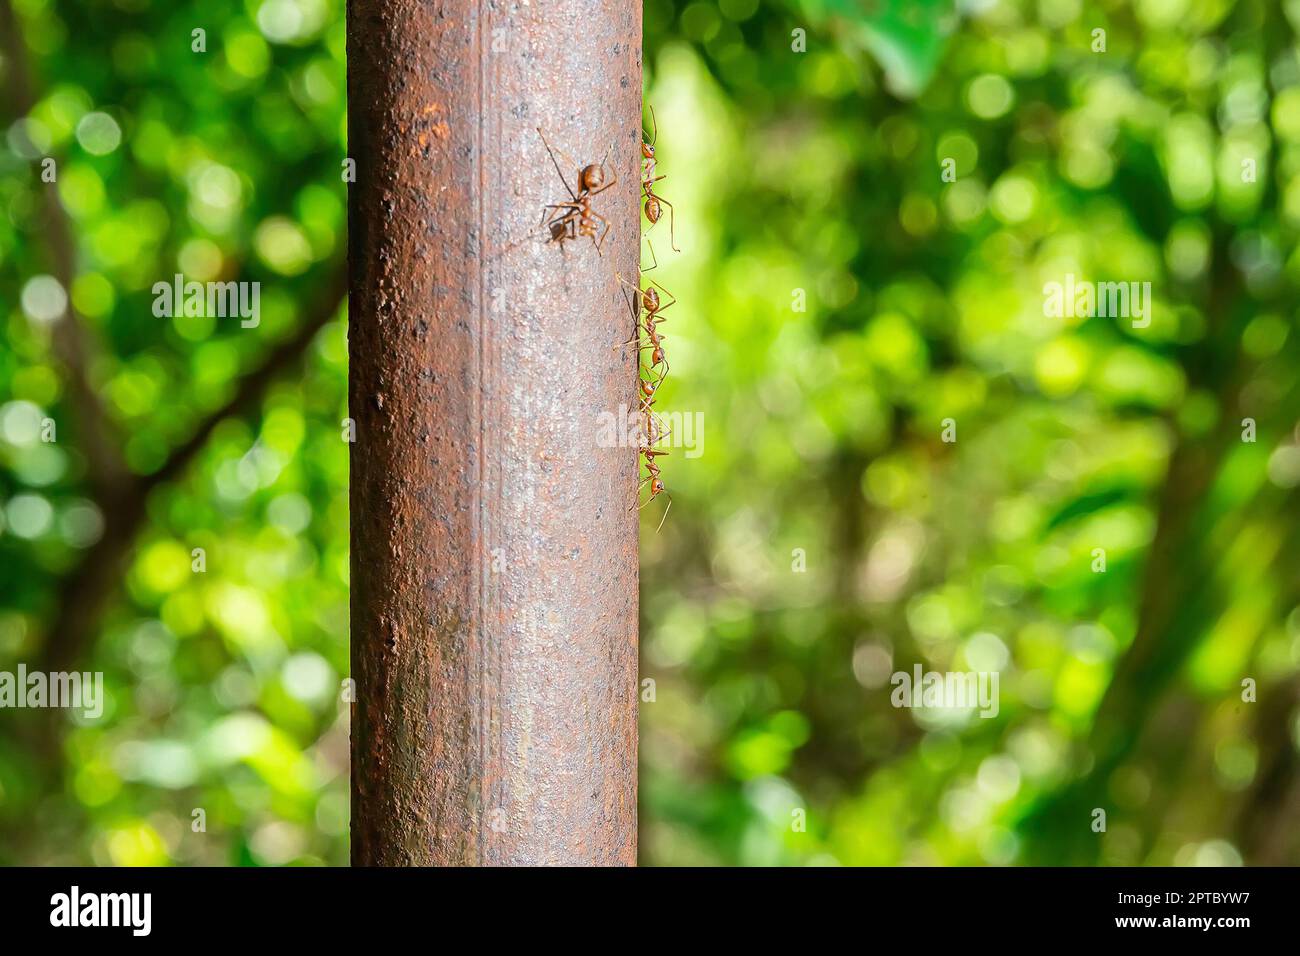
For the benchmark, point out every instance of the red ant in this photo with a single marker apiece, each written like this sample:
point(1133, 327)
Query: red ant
point(651, 433)
point(580, 219)
point(649, 302)
point(650, 436)
point(648, 180)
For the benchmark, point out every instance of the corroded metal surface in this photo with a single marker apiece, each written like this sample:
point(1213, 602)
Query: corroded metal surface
point(494, 555)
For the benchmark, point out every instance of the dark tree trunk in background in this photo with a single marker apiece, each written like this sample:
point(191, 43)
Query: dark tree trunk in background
point(494, 555)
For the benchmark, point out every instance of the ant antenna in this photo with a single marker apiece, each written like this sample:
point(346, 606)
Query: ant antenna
point(556, 164)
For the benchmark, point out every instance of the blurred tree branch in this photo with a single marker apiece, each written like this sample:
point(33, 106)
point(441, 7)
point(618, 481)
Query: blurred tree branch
point(1177, 602)
point(73, 341)
point(83, 592)
point(120, 495)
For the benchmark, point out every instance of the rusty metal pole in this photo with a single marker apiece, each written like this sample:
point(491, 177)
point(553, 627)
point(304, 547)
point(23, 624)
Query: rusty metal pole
point(494, 555)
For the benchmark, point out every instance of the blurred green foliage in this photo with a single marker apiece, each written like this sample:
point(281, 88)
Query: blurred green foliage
point(840, 300)
point(223, 686)
point(818, 175)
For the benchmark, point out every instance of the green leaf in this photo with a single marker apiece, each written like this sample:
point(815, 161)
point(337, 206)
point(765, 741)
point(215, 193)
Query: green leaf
point(906, 37)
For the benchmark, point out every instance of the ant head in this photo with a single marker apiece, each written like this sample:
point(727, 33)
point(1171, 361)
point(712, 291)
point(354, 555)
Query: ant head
point(593, 177)
point(656, 486)
point(649, 387)
point(652, 210)
point(651, 298)
point(658, 355)
point(648, 150)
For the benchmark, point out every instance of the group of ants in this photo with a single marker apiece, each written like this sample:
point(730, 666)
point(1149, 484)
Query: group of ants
point(576, 218)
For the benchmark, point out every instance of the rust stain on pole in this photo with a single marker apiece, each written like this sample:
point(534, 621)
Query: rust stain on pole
point(494, 555)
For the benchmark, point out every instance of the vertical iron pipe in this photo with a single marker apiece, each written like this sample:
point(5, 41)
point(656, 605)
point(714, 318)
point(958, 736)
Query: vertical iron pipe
point(494, 552)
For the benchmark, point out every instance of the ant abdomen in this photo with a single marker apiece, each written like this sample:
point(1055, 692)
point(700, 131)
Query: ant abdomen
point(593, 177)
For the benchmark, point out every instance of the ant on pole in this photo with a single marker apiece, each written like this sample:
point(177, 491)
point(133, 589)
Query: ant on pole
point(651, 434)
point(648, 180)
point(577, 218)
point(649, 302)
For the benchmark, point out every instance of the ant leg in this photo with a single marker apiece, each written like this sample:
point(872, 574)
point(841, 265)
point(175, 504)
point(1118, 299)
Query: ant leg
point(662, 375)
point(564, 230)
point(648, 437)
point(671, 219)
point(659, 381)
point(596, 215)
point(636, 336)
point(650, 378)
point(634, 288)
point(649, 417)
point(658, 431)
point(573, 229)
point(557, 165)
point(636, 313)
point(632, 296)
point(556, 226)
point(562, 233)
point(652, 256)
point(636, 502)
point(665, 292)
point(555, 205)
point(665, 517)
point(562, 205)
point(614, 168)
point(648, 180)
